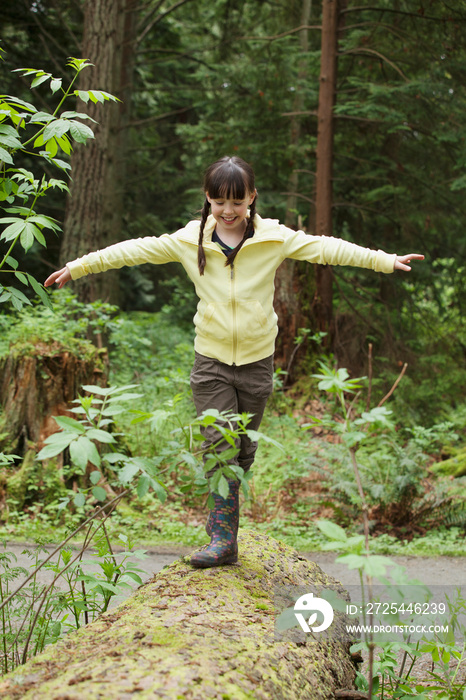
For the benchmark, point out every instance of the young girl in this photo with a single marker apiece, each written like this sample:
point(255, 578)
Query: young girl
point(231, 255)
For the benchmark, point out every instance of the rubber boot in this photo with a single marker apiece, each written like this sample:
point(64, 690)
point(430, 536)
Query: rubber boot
point(223, 526)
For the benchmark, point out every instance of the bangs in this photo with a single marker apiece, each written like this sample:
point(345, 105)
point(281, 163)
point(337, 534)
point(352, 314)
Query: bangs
point(228, 181)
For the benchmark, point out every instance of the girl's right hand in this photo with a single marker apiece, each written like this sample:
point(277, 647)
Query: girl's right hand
point(61, 277)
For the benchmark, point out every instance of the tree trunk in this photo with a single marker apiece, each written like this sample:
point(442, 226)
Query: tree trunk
point(94, 211)
point(324, 164)
point(201, 633)
point(39, 382)
point(290, 292)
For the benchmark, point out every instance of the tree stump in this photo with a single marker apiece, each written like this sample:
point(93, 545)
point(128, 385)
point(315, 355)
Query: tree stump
point(38, 381)
point(196, 634)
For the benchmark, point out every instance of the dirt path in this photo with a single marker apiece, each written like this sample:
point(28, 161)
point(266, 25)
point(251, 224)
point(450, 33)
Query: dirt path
point(445, 571)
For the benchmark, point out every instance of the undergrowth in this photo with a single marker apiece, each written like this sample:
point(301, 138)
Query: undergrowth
point(292, 487)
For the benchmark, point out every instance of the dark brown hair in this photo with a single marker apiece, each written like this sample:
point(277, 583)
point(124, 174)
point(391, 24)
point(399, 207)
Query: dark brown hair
point(227, 178)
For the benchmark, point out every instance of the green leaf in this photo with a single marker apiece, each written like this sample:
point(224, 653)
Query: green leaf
point(80, 132)
point(99, 493)
point(83, 451)
point(62, 164)
point(83, 95)
point(40, 291)
point(256, 436)
point(70, 424)
point(8, 139)
point(143, 485)
point(22, 277)
point(79, 500)
point(45, 221)
point(51, 147)
point(7, 130)
point(41, 118)
point(56, 129)
point(223, 488)
point(55, 84)
point(114, 457)
point(376, 566)
point(78, 64)
point(55, 444)
point(101, 96)
point(28, 235)
point(10, 219)
point(158, 418)
point(132, 575)
point(159, 490)
point(100, 435)
point(128, 472)
point(94, 389)
point(332, 530)
point(40, 79)
point(95, 477)
point(353, 438)
point(77, 115)
point(16, 101)
point(19, 295)
point(5, 156)
point(352, 561)
point(379, 415)
point(65, 144)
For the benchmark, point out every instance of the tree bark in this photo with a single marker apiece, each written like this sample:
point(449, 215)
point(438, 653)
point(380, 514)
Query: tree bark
point(39, 382)
point(324, 159)
point(197, 634)
point(290, 292)
point(94, 211)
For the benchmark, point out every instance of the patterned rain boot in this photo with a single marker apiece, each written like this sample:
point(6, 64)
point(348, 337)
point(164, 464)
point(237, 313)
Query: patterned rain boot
point(222, 526)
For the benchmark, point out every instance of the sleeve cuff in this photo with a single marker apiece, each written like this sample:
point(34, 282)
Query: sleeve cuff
point(384, 262)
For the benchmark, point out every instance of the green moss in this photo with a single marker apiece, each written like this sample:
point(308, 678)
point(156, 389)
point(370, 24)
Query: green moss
point(17, 481)
point(454, 466)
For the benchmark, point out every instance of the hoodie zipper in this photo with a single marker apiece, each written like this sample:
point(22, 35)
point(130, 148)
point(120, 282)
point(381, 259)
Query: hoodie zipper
point(233, 308)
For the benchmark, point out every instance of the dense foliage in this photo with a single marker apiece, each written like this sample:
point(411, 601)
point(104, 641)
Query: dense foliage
point(233, 77)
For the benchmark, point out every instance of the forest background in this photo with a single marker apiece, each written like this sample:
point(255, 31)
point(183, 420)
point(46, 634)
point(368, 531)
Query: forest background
point(352, 115)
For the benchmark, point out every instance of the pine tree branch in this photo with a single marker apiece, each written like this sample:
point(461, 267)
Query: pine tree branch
point(373, 52)
point(158, 117)
point(159, 18)
point(274, 37)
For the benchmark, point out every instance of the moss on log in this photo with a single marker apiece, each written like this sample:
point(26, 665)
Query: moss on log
point(454, 466)
point(195, 634)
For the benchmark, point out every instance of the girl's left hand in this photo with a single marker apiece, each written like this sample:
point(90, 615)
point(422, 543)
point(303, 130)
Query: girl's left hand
point(401, 260)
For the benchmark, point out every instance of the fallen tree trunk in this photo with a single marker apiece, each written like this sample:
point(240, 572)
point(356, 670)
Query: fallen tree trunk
point(196, 634)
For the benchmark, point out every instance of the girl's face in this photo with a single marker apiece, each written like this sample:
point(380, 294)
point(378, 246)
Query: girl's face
point(230, 214)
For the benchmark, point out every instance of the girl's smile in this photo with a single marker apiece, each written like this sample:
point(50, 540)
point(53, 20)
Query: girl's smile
point(230, 216)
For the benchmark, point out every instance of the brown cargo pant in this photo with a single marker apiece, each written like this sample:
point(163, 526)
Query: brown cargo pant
point(238, 389)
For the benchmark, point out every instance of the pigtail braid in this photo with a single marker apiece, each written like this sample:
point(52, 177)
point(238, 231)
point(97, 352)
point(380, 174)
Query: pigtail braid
point(201, 261)
point(247, 234)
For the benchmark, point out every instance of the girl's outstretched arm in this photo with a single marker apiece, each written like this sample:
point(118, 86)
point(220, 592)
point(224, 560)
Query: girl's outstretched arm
point(61, 277)
point(401, 260)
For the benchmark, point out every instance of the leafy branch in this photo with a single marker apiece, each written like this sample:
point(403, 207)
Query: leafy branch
point(53, 131)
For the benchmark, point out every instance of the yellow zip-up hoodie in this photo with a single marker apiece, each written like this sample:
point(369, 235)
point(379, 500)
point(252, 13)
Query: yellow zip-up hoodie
point(235, 320)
